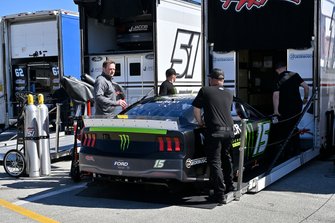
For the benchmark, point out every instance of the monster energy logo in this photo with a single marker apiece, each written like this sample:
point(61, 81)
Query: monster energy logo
point(124, 142)
point(249, 138)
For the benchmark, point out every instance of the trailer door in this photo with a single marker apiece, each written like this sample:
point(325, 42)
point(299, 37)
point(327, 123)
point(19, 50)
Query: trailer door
point(70, 43)
point(139, 76)
point(133, 78)
point(120, 72)
point(301, 61)
point(120, 75)
point(34, 39)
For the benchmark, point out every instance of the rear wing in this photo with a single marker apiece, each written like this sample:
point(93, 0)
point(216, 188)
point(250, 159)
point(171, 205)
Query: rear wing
point(131, 123)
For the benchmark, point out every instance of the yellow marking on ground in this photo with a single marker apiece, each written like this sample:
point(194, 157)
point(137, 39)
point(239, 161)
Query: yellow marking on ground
point(26, 212)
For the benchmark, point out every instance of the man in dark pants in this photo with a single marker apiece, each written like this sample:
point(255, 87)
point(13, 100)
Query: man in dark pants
point(167, 87)
point(216, 103)
point(287, 103)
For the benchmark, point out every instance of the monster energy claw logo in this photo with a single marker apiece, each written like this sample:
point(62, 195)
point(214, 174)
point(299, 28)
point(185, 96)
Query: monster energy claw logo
point(124, 142)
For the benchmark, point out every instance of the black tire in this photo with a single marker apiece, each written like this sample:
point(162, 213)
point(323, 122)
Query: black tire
point(14, 163)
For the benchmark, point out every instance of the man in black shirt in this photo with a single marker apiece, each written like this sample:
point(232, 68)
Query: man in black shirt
point(216, 102)
point(286, 96)
point(287, 103)
point(167, 87)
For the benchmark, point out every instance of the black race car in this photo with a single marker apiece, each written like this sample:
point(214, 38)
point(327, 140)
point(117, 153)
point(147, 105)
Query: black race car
point(157, 139)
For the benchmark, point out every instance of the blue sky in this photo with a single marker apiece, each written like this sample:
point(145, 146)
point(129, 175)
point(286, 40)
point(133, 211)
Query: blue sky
point(8, 7)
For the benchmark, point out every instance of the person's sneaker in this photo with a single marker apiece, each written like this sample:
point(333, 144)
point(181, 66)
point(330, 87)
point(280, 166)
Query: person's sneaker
point(229, 189)
point(221, 202)
point(214, 199)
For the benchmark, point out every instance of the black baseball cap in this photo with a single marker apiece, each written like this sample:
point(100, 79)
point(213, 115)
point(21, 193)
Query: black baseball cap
point(169, 72)
point(280, 64)
point(217, 74)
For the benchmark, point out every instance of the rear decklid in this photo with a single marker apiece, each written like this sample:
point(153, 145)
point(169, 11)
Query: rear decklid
point(131, 137)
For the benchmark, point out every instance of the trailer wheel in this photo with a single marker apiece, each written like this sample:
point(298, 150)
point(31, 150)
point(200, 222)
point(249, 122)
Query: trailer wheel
point(14, 163)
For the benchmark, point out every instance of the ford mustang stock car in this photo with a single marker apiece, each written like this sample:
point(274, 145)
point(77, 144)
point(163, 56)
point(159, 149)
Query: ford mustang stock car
point(157, 139)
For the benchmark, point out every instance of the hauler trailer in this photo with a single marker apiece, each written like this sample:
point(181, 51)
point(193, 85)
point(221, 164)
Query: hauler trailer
point(246, 38)
point(144, 38)
point(37, 50)
point(243, 37)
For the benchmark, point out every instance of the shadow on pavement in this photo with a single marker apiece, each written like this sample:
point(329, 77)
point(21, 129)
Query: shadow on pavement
point(149, 193)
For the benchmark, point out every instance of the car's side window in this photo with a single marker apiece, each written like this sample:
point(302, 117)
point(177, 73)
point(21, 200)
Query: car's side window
point(252, 114)
point(233, 110)
point(240, 110)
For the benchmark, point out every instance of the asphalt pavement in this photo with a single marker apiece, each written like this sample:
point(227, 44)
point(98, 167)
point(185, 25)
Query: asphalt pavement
point(304, 195)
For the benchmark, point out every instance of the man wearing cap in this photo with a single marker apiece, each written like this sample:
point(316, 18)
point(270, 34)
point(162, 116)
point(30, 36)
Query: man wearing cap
point(167, 87)
point(216, 102)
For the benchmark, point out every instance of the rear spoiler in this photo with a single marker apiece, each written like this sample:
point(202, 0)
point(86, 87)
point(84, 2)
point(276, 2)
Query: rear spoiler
point(131, 123)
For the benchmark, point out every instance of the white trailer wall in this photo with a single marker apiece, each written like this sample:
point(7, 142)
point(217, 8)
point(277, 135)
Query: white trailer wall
point(29, 37)
point(179, 43)
point(227, 62)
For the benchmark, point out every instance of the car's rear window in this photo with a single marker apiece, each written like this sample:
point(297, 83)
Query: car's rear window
point(165, 107)
point(182, 109)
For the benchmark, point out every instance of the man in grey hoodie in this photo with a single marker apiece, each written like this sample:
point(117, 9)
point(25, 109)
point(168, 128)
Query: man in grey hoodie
point(105, 95)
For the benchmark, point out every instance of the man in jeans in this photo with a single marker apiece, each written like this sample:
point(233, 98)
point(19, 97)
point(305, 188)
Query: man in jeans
point(216, 101)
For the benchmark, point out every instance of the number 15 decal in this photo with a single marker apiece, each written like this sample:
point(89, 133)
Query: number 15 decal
point(262, 138)
point(185, 52)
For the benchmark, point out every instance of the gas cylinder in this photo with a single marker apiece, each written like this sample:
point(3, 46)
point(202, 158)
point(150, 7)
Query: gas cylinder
point(31, 138)
point(43, 134)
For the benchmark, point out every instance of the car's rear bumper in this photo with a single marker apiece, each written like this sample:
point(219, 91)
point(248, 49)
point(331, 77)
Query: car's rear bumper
point(132, 167)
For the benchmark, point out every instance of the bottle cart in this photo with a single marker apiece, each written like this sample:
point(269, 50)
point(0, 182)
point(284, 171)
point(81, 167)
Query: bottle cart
point(14, 160)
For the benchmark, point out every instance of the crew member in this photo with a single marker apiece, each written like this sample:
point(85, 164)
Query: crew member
point(216, 102)
point(287, 103)
point(105, 94)
point(167, 87)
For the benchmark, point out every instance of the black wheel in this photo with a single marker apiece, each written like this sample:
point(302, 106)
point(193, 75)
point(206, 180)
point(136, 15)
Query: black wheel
point(14, 163)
